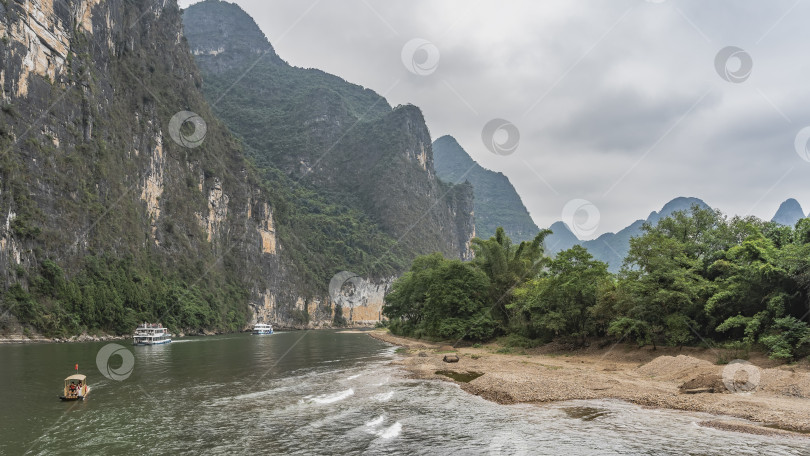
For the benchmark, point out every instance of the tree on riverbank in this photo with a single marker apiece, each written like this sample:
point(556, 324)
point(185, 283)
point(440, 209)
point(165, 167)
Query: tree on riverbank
point(441, 298)
point(560, 302)
point(697, 277)
point(508, 266)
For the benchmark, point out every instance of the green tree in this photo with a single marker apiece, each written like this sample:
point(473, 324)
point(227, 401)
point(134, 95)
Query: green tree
point(441, 298)
point(663, 281)
point(508, 265)
point(406, 300)
point(561, 303)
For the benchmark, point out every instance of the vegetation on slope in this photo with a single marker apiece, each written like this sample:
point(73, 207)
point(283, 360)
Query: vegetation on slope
point(340, 164)
point(75, 153)
point(496, 203)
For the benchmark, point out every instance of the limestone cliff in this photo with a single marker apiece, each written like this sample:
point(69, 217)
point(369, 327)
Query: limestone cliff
point(123, 198)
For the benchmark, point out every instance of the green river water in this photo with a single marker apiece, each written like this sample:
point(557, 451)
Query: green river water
point(313, 392)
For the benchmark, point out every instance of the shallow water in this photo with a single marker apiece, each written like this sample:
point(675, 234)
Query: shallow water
point(314, 392)
point(464, 377)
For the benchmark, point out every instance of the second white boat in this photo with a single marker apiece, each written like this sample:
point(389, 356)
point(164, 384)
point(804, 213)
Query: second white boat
point(262, 329)
point(151, 334)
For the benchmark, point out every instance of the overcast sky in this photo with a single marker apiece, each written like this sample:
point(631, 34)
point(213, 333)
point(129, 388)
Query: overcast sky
point(623, 103)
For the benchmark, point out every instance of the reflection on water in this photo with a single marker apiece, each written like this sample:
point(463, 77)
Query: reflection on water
point(316, 392)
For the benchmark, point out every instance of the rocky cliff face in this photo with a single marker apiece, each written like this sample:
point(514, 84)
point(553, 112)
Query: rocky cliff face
point(123, 197)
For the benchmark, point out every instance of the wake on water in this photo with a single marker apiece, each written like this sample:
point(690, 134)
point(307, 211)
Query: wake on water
point(386, 433)
point(330, 398)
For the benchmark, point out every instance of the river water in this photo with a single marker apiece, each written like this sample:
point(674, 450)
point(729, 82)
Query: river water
point(314, 392)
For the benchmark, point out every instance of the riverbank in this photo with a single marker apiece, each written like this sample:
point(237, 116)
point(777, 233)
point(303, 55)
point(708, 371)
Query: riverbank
point(21, 339)
point(38, 339)
point(687, 379)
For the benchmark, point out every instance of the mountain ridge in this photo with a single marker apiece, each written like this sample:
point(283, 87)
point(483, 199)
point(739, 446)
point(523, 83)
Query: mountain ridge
point(612, 248)
point(496, 201)
point(339, 140)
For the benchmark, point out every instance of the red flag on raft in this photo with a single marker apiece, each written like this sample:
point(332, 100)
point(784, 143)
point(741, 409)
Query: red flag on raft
point(77, 367)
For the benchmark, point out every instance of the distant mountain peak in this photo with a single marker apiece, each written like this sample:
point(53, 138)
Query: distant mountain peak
point(613, 247)
point(789, 213)
point(561, 227)
point(221, 29)
point(681, 203)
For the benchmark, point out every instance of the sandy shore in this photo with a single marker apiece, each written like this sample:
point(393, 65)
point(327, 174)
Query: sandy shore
point(687, 379)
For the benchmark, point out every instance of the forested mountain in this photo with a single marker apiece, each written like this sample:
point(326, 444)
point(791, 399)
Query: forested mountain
point(496, 202)
point(126, 199)
point(612, 248)
point(341, 142)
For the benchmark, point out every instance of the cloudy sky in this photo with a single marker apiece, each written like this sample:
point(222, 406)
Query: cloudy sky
point(625, 104)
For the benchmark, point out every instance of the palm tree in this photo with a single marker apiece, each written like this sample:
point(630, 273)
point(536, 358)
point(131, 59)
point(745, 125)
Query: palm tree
point(508, 265)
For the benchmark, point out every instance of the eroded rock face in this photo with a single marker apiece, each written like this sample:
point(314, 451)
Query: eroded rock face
point(360, 304)
point(213, 222)
point(267, 230)
point(39, 35)
point(152, 188)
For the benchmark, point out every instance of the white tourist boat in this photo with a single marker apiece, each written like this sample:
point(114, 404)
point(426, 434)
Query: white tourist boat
point(151, 334)
point(262, 329)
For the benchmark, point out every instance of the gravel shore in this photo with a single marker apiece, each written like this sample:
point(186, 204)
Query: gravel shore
point(19, 339)
point(772, 398)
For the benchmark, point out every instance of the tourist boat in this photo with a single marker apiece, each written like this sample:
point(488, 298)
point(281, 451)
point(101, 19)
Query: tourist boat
point(151, 334)
point(262, 329)
point(76, 388)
